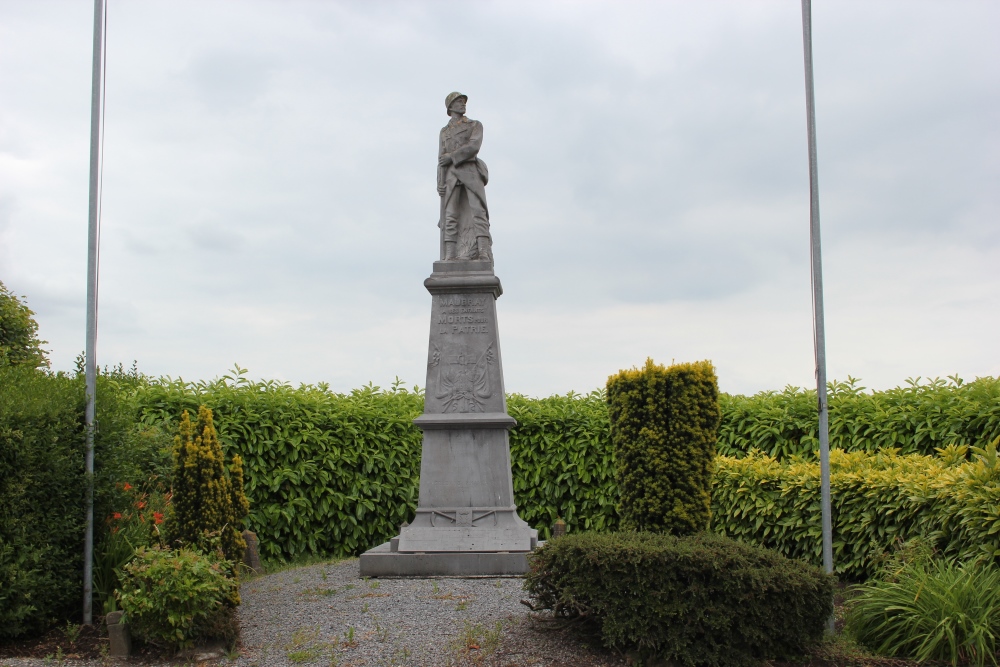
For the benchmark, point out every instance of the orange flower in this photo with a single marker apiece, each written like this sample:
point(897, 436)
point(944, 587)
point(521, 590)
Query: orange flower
point(117, 515)
point(141, 504)
point(128, 487)
point(157, 518)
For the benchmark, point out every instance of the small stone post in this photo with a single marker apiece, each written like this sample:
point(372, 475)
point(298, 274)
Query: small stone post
point(119, 634)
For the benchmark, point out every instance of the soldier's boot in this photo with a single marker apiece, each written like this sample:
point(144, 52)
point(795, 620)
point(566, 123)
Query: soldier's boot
point(450, 250)
point(484, 250)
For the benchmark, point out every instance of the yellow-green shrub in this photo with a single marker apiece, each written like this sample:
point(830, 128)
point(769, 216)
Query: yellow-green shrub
point(664, 424)
point(878, 500)
point(206, 500)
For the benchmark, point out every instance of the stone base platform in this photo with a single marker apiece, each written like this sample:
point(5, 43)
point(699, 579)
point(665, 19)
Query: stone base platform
point(382, 561)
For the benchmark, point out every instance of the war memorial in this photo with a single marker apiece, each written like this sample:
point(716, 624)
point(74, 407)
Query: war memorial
point(466, 521)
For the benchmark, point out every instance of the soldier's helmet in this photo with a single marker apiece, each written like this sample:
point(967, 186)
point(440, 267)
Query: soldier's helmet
point(452, 97)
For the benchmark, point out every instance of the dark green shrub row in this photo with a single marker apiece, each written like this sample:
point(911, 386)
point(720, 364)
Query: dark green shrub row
point(698, 600)
point(878, 501)
point(42, 443)
point(916, 419)
point(663, 427)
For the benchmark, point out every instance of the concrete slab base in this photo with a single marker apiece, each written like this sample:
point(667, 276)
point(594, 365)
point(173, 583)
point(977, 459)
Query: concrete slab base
point(383, 562)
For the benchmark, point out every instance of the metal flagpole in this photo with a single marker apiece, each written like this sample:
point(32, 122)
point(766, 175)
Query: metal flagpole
point(819, 334)
point(91, 361)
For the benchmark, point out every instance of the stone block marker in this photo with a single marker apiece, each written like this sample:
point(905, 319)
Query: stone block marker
point(251, 557)
point(119, 635)
point(466, 521)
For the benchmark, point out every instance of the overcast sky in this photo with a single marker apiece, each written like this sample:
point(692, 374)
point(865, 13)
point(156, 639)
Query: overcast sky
point(269, 185)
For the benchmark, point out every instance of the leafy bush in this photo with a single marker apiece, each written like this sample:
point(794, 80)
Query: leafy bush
point(697, 600)
point(42, 487)
point(41, 496)
point(930, 610)
point(325, 473)
point(562, 462)
point(915, 419)
point(19, 344)
point(176, 597)
point(336, 474)
point(878, 500)
point(122, 533)
point(663, 425)
point(207, 499)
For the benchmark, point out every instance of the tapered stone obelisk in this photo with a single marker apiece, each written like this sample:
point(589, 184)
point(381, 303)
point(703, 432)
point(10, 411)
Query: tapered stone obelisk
point(466, 521)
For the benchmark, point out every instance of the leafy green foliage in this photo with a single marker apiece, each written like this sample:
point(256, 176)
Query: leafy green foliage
point(206, 500)
point(335, 474)
point(176, 597)
point(916, 419)
point(42, 443)
point(41, 496)
point(878, 500)
point(325, 473)
point(930, 609)
point(664, 423)
point(19, 344)
point(696, 600)
point(136, 525)
point(562, 462)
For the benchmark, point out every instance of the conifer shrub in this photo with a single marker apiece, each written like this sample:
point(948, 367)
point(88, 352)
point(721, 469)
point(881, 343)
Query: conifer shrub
point(208, 499)
point(695, 600)
point(664, 425)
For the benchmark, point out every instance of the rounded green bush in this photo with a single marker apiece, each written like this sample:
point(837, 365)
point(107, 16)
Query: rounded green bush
point(174, 597)
point(694, 600)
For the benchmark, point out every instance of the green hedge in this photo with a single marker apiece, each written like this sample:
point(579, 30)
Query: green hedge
point(42, 445)
point(325, 473)
point(697, 600)
point(323, 468)
point(41, 499)
point(562, 462)
point(878, 501)
point(337, 474)
point(916, 419)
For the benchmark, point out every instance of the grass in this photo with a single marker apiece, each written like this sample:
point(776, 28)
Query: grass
point(475, 640)
point(303, 647)
point(929, 609)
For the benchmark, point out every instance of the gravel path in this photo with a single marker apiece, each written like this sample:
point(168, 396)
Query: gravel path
point(327, 615)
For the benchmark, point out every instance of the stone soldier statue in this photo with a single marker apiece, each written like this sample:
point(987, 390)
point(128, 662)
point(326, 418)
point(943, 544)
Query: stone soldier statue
point(461, 183)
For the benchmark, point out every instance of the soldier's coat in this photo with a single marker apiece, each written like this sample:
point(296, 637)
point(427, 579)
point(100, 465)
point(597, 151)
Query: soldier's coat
point(462, 139)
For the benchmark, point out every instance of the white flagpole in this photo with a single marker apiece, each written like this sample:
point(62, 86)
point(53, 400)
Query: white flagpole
point(91, 360)
point(819, 333)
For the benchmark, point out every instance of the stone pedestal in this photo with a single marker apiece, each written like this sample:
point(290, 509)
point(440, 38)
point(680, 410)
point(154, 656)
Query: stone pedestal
point(466, 521)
